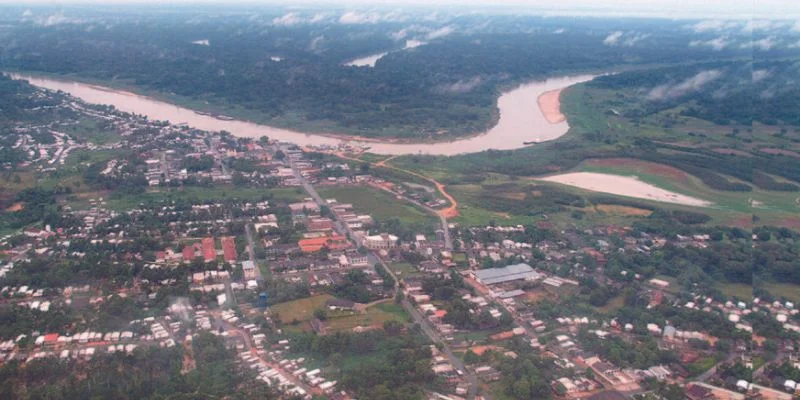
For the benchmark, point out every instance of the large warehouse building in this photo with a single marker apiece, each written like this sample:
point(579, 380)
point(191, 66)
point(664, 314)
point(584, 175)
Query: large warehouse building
point(510, 273)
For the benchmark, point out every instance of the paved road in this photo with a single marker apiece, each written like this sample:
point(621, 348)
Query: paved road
point(431, 333)
point(418, 318)
point(251, 250)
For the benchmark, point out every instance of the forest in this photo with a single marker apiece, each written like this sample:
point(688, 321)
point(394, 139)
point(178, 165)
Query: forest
point(447, 87)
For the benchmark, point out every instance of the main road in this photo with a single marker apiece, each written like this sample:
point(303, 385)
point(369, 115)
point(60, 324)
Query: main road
point(423, 323)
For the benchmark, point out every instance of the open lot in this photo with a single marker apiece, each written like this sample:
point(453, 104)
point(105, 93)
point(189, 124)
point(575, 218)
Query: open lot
point(373, 316)
point(380, 205)
point(301, 309)
point(787, 290)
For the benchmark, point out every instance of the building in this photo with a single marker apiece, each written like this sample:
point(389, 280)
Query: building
point(383, 241)
point(249, 269)
point(229, 253)
point(304, 207)
point(209, 249)
point(510, 273)
point(320, 224)
point(340, 305)
point(334, 242)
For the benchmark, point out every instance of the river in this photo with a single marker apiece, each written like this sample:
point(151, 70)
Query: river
point(521, 120)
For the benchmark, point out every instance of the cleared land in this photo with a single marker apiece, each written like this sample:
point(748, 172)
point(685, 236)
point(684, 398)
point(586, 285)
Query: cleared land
point(373, 316)
point(301, 309)
point(550, 104)
point(380, 205)
point(629, 186)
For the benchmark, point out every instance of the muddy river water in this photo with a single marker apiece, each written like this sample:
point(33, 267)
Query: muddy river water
point(521, 120)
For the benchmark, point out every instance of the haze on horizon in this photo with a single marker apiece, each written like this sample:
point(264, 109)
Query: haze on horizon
point(678, 9)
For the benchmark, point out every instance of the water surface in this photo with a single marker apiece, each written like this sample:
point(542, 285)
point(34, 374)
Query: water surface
point(521, 120)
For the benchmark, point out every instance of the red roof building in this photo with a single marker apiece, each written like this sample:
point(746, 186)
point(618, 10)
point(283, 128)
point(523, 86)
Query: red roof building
point(335, 242)
point(229, 249)
point(209, 249)
point(191, 251)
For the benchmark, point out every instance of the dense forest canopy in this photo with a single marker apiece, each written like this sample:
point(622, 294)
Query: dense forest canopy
point(287, 68)
point(763, 91)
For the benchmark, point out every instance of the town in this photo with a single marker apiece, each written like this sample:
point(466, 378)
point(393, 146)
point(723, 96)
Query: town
point(303, 260)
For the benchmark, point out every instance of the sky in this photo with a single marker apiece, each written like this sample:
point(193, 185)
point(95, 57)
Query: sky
point(772, 9)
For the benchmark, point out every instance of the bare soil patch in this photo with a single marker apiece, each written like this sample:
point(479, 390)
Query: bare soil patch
point(629, 186)
point(623, 210)
point(550, 104)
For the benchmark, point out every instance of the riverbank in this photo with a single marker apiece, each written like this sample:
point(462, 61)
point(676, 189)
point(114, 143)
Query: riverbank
point(550, 104)
point(629, 186)
point(516, 124)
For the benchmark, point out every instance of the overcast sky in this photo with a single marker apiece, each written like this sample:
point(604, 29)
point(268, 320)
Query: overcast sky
point(775, 9)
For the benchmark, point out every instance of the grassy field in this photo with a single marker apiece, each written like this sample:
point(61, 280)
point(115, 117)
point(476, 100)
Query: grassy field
point(301, 309)
point(739, 290)
point(612, 306)
point(404, 270)
point(90, 130)
point(787, 290)
point(380, 205)
point(126, 202)
point(373, 316)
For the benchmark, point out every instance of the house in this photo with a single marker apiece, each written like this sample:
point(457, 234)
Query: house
point(209, 249)
point(383, 241)
point(249, 269)
point(192, 251)
point(320, 224)
point(697, 392)
point(431, 267)
point(304, 207)
point(334, 242)
point(229, 253)
point(340, 305)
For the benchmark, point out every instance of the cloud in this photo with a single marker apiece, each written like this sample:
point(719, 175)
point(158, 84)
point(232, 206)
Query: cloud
point(716, 44)
point(55, 19)
point(796, 27)
point(695, 83)
point(319, 17)
point(709, 25)
point(441, 32)
point(288, 20)
point(760, 74)
point(353, 17)
point(764, 44)
point(760, 25)
point(559, 31)
point(637, 37)
point(314, 44)
point(462, 86)
point(27, 13)
point(612, 39)
point(399, 35)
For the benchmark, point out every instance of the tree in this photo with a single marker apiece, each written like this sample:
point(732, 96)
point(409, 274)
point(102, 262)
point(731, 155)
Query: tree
point(321, 314)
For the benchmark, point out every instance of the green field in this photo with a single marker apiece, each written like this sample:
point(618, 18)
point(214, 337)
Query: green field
point(739, 290)
point(724, 200)
point(218, 192)
point(379, 204)
point(374, 316)
point(787, 290)
point(404, 270)
point(301, 309)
